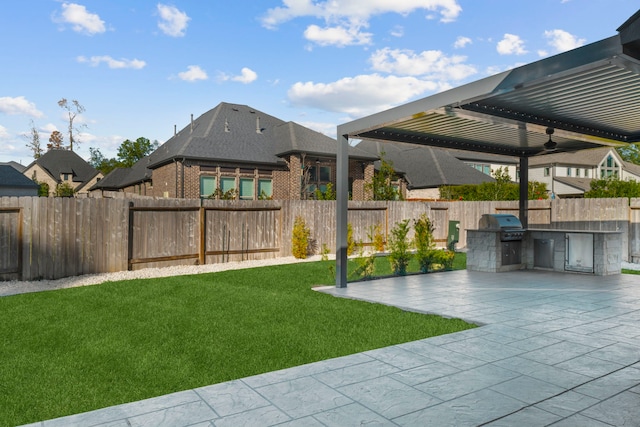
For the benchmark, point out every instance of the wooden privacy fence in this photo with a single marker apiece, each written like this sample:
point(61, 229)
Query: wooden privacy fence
point(50, 238)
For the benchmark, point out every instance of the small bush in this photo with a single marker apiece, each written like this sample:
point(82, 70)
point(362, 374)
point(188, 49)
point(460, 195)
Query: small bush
point(351, 244)
point(423, 242)
point(365, 264)
point(300, 239)
point(376, 237)
point(399, 247)
point(64, 190)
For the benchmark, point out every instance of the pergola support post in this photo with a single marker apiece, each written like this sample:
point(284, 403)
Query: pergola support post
point(524, 191)
point(342, 201)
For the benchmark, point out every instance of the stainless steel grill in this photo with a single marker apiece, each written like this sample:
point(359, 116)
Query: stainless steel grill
point(509, 226)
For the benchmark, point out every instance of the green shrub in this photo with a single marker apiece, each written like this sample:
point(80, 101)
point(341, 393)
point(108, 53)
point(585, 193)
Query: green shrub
point(365, 264)
point(351, 244)
point(376, 237)
point(64, 190)
point(300, 239)
point(399, 247)
point(423, 242)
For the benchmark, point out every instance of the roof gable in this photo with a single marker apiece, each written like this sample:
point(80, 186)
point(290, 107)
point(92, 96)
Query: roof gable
point(591, 158)
point(58, 162)
point(239, 133)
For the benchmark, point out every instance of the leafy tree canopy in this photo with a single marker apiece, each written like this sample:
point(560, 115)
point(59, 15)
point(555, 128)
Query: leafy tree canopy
point(129, 153)
point(501, 189)
point(613, 187)
point(381, 186)
point(630, 153)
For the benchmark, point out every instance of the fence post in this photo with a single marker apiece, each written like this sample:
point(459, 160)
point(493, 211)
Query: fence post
point(202, 259)
point(130, 240)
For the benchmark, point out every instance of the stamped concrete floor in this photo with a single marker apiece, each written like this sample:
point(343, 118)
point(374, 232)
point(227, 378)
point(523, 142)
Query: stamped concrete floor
point(554, 349)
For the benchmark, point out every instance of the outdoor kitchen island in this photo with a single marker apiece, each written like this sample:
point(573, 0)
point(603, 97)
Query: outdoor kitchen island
point(500, 245)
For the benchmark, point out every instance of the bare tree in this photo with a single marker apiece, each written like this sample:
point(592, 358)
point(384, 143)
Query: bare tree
point(73, 108)
point(55, 141)
point(33, 140)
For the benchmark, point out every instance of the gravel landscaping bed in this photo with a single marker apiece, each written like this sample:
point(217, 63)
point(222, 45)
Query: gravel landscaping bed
point(15, 287)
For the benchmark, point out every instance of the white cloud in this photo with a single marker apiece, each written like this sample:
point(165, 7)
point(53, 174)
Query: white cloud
point(431, 64)
point(81, 20)
point(193, 73)
point(562, 41)
point(173, 22)
point(328, 129)
point(247, 76)
point(4, 134)
point(338, 36)
point(360, 95)
point(94, 61)
point(398, 31)
point(356, 10)
point(542, 53)
point(461, 42)
point(18, 105)
point(511, 45)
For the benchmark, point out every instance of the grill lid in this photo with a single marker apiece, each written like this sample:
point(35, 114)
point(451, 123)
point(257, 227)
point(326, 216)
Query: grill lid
point(499, 222)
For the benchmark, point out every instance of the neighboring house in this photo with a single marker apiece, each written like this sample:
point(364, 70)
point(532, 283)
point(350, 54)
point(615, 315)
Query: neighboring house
point(488, 163)
point(60, 166)
point(17, 166)
point(136, 179)
point(13, 183)
point(236, 147)
point(570, 174)
point(424, 169)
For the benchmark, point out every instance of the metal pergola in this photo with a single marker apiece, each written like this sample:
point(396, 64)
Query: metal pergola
point(584, 98)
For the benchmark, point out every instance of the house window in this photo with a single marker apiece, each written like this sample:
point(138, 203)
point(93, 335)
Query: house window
point(586, 173)
point(578, 172)
point(547, 171)
point(207, 186)
point(568, 171)
point(325, 174)
point(227, 184)
point(609, 167)
point(265, 188)
point(246, 188)
point(65, 176)
point(482, 167)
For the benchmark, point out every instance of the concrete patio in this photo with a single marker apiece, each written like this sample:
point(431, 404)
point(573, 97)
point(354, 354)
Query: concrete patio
point(554, 349)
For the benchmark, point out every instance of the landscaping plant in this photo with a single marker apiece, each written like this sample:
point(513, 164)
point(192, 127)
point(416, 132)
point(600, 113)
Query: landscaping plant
point(300, 239)
point(399, 248)
point(423, 242)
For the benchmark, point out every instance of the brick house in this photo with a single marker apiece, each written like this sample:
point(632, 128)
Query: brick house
point(63, 166)
point(236, 147)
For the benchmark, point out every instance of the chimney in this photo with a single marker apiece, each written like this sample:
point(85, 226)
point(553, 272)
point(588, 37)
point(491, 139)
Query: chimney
point(175, 130)
point(258, 129)
point(191, 122)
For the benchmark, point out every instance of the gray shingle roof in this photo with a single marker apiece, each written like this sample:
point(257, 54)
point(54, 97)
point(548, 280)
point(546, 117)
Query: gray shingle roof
point(425, 167)
point(124, 177)
point(591, 157)
point(57, 162)
point(10, 177)
point(241, 134)
point(17, 166)
point(583, 184)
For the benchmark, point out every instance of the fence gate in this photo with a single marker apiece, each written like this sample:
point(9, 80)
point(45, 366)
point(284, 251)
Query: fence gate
point(10, 243)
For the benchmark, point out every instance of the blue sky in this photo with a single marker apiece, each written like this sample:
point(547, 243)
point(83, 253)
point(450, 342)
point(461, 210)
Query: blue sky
point(141, 67)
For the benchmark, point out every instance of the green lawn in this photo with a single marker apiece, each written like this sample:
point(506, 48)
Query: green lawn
point(79, 349)
point(625, 271)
